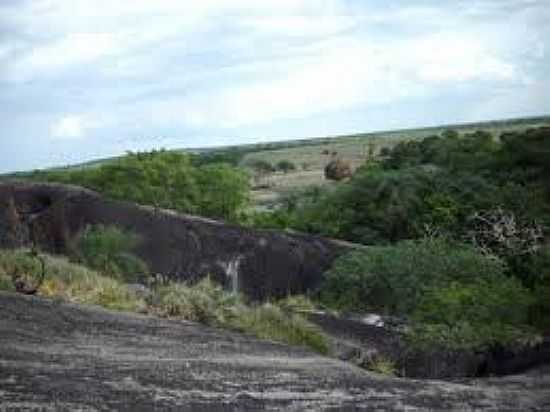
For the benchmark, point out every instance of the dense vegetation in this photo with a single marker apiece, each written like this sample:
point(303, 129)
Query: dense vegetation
point(167, 180)
point(457, 226)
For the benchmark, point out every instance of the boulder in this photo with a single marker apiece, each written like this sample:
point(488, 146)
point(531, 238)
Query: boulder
point(338, 169)
point(258, 263)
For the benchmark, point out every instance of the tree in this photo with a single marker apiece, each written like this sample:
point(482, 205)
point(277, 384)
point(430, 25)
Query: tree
point(450, 134)
point(261, 168)
point(167, 180)
point(285, 166)
point(393, 278)
point(224, 191)
point(110, 250)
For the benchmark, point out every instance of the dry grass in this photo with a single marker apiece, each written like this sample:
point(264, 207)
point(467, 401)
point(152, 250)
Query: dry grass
point(70, 282)
point(204, 302)
point(207, 302)
point(353, 148)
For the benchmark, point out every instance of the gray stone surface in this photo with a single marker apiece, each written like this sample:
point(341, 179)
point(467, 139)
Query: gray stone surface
point(58, 356)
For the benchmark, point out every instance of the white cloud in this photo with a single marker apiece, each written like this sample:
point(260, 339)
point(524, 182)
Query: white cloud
point(345, 72)
point(68, 127)
point(232, 67)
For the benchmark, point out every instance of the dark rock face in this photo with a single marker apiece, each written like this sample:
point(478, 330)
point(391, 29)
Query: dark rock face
point(355, 339)
point(63, 357)
point(257, 263)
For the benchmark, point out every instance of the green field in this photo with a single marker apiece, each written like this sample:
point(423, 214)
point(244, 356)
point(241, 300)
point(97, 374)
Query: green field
point(310, 160)
point(310, 155)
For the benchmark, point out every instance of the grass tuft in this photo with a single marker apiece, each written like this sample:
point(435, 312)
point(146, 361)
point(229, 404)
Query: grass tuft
point(205, 302)
point(70, 282)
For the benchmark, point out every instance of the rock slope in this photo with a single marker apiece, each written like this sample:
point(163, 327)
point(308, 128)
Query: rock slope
point(257, 263)
point(57, 356)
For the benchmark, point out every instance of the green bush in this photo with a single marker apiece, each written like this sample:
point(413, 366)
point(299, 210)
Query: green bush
point(540, 311)
point(224, 192)
point(285, 166)
point(109, 250)
point(483, 313)
point(166, 179)
point(392, 279)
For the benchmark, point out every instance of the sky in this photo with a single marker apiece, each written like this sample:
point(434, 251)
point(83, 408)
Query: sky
point(86, 79)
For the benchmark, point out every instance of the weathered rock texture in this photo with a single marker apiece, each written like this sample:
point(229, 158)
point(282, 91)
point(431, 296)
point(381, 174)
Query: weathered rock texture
point(56, 356)
point(360, 342)
point(257, 263)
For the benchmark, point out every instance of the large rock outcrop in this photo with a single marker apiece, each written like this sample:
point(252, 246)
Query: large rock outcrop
point(62, 357)
point(183, 247)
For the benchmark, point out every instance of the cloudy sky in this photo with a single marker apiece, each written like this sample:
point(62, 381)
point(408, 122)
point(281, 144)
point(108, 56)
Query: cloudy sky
point(81, 79)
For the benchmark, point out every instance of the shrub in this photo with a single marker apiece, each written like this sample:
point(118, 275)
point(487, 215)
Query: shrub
point(71, 282)
point(165, 179)
point(540, 311)
point(483, 313)
point(6, 283)
point(392, 279)
point(24, 264)
point(205, 302)
point(285, 166)
point(224, 192)
point(381, 364)
point(109, 250)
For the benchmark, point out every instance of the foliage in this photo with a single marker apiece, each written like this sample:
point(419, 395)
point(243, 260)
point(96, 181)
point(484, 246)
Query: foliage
point(393, 279)
point(484, 312)
point(381, 364)
point(207, 302)
point(261, 167)
point(296, 303)
point(224, 192)
point(456, 296)
point(437, 183)
point(72, 282)
point(285, 166)
point(501, 233)
point(164, 179)
point(539, 268)
point(268, 321)
point(204, 302)
point(110, 251)
point(22, 271)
